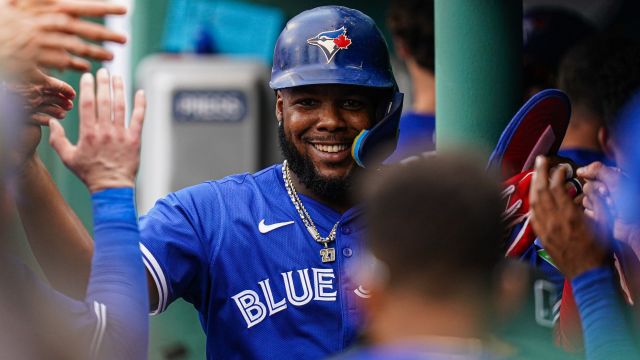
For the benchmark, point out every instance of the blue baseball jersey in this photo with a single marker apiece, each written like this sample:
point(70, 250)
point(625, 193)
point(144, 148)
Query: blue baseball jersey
point(416, 136)
point(584, 157)
point(238, 251)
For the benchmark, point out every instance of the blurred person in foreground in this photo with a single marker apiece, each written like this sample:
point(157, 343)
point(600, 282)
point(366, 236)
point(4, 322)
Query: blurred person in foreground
point(434, 230)
point(583, 250)
point(436, 274)
point(39, 322)
point(110, 321)
point(411, 23)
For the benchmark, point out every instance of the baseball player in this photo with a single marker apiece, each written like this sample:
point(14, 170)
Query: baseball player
point(263, 257)
point(411, 22)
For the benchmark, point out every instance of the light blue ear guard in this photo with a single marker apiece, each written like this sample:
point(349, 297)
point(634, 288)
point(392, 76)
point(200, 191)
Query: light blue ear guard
point(373, 145)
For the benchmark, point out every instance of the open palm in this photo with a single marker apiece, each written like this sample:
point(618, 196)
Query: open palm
point(107, 154)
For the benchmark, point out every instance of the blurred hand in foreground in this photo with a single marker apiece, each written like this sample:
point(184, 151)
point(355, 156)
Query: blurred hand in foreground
point(50, 34)
point(575, 243)
point(602, 186)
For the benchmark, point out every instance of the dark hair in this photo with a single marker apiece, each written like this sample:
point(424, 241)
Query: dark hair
point(548, 33)
point(436, 223)
point(578, 74)
point(618, 78)
point(601, 74)
point(411, 21)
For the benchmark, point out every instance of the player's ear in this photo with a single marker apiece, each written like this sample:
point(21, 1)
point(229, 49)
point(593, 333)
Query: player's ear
point(279, 106)
point(401, 48)
point(606, 142)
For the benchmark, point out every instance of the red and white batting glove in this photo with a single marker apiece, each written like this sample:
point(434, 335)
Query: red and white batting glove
point(516, 214)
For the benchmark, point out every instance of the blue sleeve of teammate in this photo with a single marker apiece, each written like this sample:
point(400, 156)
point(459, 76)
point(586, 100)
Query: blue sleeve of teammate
point(112, 321)
point(118, 288)
point(607, 334)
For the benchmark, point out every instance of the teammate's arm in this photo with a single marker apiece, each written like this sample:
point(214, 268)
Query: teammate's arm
point(106, 159)
point(578, 248)
point(58, 239)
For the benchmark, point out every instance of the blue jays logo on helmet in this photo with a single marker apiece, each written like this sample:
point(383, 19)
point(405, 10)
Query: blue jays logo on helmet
point(331, 42)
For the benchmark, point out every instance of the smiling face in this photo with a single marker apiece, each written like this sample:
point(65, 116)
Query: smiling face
point(319, 124)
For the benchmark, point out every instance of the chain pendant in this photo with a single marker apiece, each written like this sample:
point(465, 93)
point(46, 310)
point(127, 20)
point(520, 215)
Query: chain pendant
point(328, 254)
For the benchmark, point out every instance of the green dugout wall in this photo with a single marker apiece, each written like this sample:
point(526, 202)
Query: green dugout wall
point(478, 66)
point(478, 87)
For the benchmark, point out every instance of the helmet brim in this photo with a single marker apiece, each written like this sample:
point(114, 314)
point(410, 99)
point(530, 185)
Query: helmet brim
point(319, 75)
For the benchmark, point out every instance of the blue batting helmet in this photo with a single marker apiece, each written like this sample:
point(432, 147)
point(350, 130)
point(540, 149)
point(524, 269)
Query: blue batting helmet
point(338, 45)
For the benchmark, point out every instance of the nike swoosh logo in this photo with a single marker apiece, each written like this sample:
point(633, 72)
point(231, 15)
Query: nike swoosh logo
point(264, 228)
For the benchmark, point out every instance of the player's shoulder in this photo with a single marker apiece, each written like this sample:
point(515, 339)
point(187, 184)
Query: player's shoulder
point(266, 175)
point(231, 188)
point(211, 194)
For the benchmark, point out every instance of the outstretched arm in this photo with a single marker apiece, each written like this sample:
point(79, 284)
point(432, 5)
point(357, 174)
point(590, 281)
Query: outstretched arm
point(106, 159)
point(578, 247)
point(56, 235)
point(41, 34)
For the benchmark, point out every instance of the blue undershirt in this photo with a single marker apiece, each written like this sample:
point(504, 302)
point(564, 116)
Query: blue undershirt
point(607, 334)
point(112, 321)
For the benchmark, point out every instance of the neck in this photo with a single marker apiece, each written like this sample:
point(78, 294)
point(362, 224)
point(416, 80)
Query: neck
point(408, 317)
point(582, 132)
point(424, 85)
point(340, 204)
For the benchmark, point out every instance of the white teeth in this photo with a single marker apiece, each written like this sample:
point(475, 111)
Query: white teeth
point(330, 148)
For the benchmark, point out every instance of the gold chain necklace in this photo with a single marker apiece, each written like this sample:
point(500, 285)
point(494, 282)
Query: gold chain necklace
point(327, 254)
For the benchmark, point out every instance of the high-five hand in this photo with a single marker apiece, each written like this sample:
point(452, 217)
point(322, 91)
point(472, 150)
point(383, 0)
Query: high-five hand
point(52, 34)
point(107, 154)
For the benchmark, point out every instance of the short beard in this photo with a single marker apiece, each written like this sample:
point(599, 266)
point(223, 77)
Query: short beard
point(327, 188)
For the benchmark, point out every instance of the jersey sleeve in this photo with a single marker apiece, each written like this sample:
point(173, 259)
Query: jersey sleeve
point(607, 332)
point(172, 246)
point(112, 321)
point(117, 291)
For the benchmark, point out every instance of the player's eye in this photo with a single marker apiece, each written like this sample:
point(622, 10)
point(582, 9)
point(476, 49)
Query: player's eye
point(306, 102)
point(353, 104)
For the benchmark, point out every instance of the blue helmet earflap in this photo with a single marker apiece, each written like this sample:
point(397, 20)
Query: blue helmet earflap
point(372, 145)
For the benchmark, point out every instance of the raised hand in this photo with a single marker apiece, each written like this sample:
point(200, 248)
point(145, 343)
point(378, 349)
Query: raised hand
point(44, 97)
point(601, 183)
point(575, 243)
point(601, 191)
point(70, 7)
point(107, 154)
point(49, 34)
